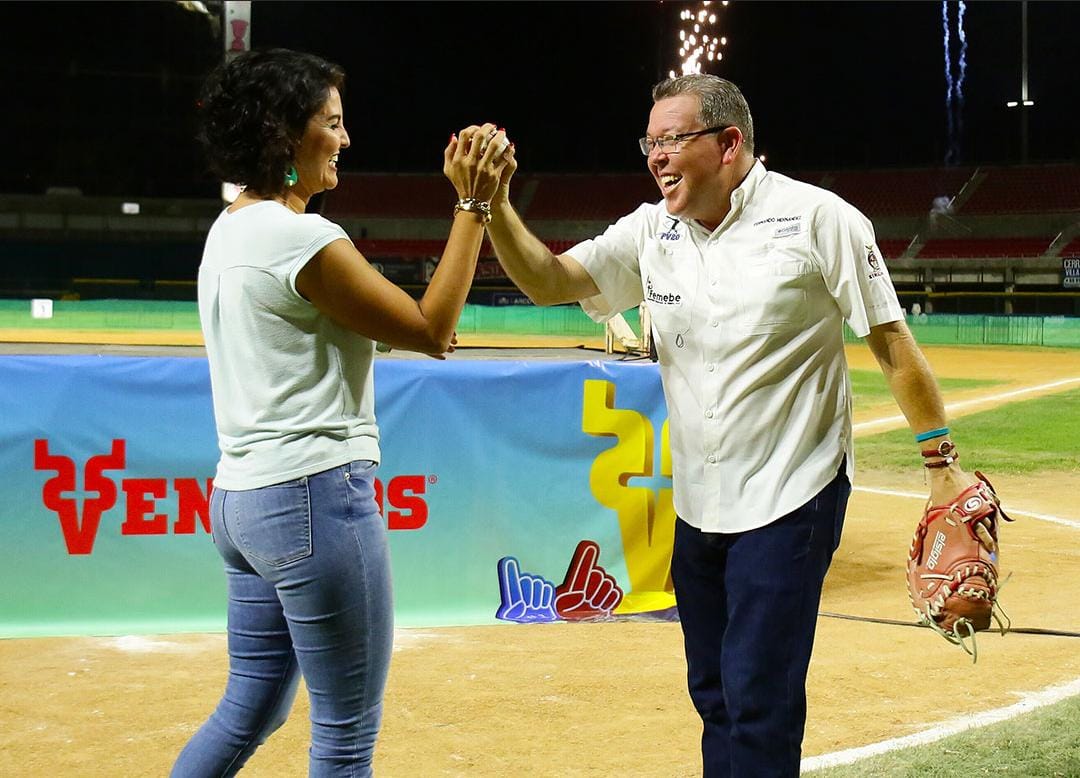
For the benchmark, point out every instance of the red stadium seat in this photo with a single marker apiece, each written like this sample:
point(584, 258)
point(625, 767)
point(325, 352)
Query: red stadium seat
point(590, 197)
point(984, 247)
point(1027, 189)
point(898, 192)
point(390, 196)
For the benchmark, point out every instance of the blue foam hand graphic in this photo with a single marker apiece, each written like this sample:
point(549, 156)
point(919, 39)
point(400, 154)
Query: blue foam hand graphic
point(525, 598)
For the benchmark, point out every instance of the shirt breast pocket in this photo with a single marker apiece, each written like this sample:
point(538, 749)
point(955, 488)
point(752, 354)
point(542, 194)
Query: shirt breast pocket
point(773, 293)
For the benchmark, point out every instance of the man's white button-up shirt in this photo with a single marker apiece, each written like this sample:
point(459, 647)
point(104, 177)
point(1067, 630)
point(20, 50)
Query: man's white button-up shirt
point(748, 321)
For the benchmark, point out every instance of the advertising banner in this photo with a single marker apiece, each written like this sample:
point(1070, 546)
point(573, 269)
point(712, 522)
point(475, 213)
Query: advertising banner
point(512, 490)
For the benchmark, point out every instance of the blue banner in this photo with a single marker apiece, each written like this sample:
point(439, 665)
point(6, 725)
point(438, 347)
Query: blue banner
point(520, 491)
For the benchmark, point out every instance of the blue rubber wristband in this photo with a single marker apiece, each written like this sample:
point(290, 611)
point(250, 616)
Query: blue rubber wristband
point(931, 434)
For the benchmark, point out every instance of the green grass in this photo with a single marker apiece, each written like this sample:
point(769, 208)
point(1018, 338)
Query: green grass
point(1018, 438)
point(1044, 743)
point(868, 386)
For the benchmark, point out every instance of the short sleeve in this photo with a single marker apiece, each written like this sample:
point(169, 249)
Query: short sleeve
point(612, 259)
point(312, 235)
point(854, 270)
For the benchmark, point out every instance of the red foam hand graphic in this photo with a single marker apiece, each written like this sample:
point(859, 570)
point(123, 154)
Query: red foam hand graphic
point(587, 592)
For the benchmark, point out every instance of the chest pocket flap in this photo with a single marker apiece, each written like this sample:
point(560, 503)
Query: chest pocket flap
point(773, 292)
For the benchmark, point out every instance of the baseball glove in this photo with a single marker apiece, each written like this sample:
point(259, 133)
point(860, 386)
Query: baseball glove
point(952, 569)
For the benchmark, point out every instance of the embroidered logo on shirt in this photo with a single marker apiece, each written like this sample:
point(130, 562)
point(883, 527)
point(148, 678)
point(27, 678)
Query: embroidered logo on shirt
point(662, 298)
point(776, 219)
point(671, 233)
point(874, 262)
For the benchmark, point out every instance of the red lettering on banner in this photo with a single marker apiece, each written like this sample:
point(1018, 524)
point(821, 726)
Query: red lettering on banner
point(406, 508)
point(191, 501)
point(78, 535)
point(403, 493)
point(138, 507)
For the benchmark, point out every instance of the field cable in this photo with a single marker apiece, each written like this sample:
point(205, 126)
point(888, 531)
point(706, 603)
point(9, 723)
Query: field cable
point(900, 623)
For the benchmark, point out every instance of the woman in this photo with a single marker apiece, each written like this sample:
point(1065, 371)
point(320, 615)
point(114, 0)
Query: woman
point(290, 312)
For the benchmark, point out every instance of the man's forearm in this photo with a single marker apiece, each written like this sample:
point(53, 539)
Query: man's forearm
point(544, 277)
point(910, 380)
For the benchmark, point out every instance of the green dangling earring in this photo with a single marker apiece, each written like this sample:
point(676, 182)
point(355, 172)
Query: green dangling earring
point(291, 176)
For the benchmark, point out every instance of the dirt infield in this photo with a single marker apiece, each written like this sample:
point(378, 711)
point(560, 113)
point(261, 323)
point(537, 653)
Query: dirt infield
point(598, 699)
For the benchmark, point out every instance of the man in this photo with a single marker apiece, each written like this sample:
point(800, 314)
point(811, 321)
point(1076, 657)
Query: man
point(749, 276)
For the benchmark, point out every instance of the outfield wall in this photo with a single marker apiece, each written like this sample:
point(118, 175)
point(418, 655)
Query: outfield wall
point(937, 329)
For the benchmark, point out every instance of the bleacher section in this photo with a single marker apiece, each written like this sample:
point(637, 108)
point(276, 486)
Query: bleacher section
point(1026, 189)
point(898, 192)
point(1072, 248)
point(390, 196)
point(390, 247)
point(983, 247)
point(893, 247)
point(590, 197)
point(1003, 234)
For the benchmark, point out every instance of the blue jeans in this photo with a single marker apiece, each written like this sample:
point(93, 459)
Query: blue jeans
point(748, 605)
point(308, 570)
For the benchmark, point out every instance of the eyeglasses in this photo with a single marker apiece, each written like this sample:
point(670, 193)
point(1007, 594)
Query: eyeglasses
point(669, 144)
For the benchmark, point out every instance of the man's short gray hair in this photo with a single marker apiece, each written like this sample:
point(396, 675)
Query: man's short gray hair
point(721, 102)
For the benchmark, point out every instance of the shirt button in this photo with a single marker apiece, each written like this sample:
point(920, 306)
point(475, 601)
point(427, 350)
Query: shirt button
point(714, 282)
point(714, 323)
point(711, 367)
point(708, 414)
point(712, 459)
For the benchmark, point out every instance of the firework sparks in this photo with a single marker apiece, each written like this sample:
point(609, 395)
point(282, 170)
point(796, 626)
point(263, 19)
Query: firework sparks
point(698, 41)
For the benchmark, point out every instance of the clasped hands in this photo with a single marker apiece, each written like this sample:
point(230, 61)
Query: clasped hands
point(475, 160)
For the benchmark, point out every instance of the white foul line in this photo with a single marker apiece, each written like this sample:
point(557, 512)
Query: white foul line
point(1029, 701)
point(976, 401)
point(1040, 516)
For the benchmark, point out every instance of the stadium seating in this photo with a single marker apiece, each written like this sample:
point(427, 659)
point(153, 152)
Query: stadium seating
point(1026, 189)
point(893, 248)
point(590, 197)
point(422, 248)
point(898, 192)
point(387, 195)
point(983, 247)
point(1072, 248)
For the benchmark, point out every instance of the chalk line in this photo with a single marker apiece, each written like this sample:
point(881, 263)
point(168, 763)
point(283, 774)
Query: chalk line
point(1029, 701)
point(1011, 511)
point(975, 401)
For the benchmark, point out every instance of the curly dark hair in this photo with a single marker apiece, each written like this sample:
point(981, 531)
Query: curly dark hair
point(254, 110)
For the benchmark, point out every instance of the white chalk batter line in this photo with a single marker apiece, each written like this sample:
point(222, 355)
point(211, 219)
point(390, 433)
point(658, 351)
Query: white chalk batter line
point(976, 401)
point(1040, 516)
point(1029, 701)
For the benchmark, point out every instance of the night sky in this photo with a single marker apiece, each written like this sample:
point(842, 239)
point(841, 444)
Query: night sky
point(104, 93)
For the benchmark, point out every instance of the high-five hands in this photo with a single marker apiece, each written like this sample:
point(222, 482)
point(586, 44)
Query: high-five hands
point(474, 160)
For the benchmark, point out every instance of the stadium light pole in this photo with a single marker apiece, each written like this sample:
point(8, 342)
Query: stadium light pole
point(1024, 103)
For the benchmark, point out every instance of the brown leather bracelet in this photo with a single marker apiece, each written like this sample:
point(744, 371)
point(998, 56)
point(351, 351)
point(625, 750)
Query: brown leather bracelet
point(942, 463)
point(944, 449)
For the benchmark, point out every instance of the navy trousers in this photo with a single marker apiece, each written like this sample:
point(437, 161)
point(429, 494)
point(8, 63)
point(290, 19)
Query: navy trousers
point(748, 605)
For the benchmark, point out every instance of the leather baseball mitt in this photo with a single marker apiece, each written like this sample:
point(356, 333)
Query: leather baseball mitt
point(952, 569)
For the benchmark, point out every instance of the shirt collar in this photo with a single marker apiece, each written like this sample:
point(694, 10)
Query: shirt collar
point(740, 196)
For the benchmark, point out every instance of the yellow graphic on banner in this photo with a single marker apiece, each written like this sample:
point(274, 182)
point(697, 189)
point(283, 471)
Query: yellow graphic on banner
point(646, 520)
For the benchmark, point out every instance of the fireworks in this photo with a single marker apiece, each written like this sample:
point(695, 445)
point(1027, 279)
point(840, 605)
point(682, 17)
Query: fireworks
point(698, 40)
